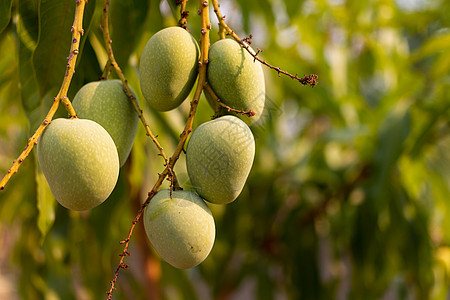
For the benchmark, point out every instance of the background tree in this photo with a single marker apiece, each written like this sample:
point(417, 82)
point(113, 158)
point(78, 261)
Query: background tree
point(348, 197)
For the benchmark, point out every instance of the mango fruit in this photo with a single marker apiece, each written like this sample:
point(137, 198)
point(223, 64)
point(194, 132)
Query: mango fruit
point(168, 68)
point(106, 103)
point(236, 79)
point(219, 156)
point(80, 162)
point(181, 228)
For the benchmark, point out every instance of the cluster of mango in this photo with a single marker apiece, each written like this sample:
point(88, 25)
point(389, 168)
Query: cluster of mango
point(219, 154)
point(81, 157)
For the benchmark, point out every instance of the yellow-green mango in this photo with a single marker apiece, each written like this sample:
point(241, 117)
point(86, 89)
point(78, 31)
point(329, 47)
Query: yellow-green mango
point(236, 78)
point(106, 103)
point(80, 162)
point(168, 68)
point(181, 228)
point(219, 157)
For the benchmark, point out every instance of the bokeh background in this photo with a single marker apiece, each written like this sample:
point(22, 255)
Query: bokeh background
point(349, 195)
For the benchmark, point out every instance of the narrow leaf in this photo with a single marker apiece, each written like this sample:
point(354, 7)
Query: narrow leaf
point(45, 204)
point(28, 12)
point(5, 13)
point(126, 20)
point(393, 132)
point(50, 56)
point(432, 46)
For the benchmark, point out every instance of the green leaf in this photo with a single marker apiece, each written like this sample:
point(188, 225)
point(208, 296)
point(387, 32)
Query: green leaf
point(28, 82)
point(393, 132)
point(5, 13)
point(45, 204)
point(126, 30)
point(29, 18)
point(432, 46)
point(50, 57)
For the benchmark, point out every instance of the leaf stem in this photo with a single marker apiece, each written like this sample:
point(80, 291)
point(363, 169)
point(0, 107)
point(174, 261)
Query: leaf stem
point(205, 27)
point(77, 32)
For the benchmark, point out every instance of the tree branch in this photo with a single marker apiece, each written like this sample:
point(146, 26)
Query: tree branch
point(205, 27)
point(77, 32)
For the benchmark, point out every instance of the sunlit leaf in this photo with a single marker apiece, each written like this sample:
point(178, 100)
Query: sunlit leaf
point(433, 46)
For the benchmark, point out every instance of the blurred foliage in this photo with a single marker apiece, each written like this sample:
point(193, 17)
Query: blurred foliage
point(349, 195)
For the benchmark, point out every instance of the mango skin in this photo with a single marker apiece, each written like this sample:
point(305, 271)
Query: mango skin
point(168, 68)
point(80, 162)
point(219, 157)
point(106, 103)
point(236, 79)
point(181, 229)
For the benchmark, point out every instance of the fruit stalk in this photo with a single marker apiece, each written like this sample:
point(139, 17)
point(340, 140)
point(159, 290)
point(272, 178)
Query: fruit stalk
point(305, 80)
point(77, 32)
point(112, 63)
point(106, 70)
point(205, 27)
point(219, 103)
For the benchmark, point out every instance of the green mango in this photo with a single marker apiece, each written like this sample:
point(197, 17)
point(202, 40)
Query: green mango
point(219, 157)
point(181, 228)
point(236, 78)
point(168, 68)
point(80, 162)
point(106, 103)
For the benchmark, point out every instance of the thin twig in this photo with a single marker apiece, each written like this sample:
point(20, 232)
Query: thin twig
point(305, 80)
point(209, 90)
point(184, 14)
point(77, 32)
point(187, 129)
point(112, 62)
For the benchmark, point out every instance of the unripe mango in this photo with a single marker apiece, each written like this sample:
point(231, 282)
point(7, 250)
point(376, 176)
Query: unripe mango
point(181, 228)
point(219, 157)
point(168, 68)
point(80, 162)
point(236, 79)
point(106, 103)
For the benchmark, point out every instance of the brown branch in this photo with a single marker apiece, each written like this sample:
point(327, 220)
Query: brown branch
point(305, 80)
point(184, 14)
point(112, 62)
point(77, 32)
point(187, 129)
